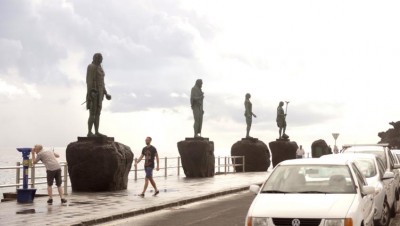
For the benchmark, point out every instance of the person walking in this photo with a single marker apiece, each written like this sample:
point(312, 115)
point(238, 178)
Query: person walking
point(149, 152)
point(300, 152)
point(53, 170)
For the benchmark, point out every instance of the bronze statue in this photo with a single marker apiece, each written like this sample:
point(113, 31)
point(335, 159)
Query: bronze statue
point(196, 102)
point(248, 113)
point(281, 120)
point(96, 91)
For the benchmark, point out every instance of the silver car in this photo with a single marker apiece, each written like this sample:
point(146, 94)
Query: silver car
point(383, 151)
point(372, 168)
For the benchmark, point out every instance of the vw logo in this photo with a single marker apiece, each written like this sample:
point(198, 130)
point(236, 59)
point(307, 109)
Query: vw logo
point(296, 222)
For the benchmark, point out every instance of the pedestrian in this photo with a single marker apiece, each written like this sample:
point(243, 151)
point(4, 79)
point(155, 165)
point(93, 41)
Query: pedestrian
point(149, 152)
point(53, 170)
point(300, 152)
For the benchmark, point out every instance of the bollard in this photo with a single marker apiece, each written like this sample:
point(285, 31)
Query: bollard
point(166, 166)
point(179, 165)
point(25, 195)
point(66, 179)
point(135, 166)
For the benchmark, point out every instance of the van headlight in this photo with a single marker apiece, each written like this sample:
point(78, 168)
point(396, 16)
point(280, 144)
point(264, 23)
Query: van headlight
point(339, 222)
point(258, 221)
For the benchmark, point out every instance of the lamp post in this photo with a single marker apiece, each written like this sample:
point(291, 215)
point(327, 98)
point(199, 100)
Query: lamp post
point(335, 136)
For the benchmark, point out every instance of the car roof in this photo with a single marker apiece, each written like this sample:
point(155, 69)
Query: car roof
point(364, 148)
point(367, 145)
point(397, 151)
point(315, 161)
point(351, 155)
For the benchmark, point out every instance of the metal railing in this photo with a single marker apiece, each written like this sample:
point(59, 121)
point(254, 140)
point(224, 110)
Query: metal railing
point(228, 164)
point(33, 178)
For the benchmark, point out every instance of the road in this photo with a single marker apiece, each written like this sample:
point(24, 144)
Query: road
point(229, 210)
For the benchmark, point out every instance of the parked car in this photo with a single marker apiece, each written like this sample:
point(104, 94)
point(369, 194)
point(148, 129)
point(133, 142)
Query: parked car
point(396, 154)
point(382, 151)
point(317, 191)
point(372, 167)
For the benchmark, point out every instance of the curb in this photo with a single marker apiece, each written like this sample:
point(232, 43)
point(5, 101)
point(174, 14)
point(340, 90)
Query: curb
point(160, 207)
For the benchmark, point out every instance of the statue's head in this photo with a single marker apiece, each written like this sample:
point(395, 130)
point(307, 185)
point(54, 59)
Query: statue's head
point(97, 58)
point(248, 95)
point(199, 83)
point(281, 103)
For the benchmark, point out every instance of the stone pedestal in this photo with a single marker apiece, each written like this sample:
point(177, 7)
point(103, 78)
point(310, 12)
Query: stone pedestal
point(282, 149)
point(98, 164)
point(320, 148)
point(256, 153)
point(197, 157)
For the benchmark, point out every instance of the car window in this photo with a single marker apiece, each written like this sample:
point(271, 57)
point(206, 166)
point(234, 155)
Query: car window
point(391, 158)
point(381, 167)
point(380, 154)
point(359, 176)
point(396, 159)
point(367, 167)
point(398, 156)
point(310, 179)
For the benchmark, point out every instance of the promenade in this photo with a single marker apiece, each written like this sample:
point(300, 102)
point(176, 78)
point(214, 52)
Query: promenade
point(92, 208)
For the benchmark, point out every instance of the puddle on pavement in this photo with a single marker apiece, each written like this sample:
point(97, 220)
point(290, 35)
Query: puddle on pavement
point(74, 203)
point(26, 211)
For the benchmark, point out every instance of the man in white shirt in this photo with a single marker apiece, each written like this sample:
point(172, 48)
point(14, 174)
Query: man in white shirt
point(300, 152)
point(53, 170)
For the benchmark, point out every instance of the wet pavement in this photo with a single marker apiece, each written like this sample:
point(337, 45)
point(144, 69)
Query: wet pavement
point(92, 208)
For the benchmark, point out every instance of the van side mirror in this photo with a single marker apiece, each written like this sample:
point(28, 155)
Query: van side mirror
point(388, 175)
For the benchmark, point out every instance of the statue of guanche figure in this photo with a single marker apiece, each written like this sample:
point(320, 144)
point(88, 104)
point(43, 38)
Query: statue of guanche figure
point(281, 120)
point(248, 113)
point(196, 102)
point(96, 91)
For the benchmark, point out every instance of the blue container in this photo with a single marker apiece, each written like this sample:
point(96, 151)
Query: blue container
point(26, 195)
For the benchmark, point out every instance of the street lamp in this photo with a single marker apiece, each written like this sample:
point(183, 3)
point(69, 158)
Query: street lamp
point(335, 136)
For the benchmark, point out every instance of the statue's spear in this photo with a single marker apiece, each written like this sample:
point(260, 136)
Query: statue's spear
point(287, 103)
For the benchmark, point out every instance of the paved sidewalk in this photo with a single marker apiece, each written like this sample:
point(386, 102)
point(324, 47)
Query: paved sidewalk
point(92, 208)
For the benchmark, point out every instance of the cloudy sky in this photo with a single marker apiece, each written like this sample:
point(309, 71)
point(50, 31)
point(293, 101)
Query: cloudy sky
point(335, 61)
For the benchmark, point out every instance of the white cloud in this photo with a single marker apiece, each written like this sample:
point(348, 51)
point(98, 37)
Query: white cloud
point(335, 61)
point(9, 90)
point(32, 91)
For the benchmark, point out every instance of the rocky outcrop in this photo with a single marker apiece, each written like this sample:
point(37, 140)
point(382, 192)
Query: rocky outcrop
point(282, 149)
point(256, 153)
point(197, 157)
point(391, 136)
point(320, 148)
point(98, 164)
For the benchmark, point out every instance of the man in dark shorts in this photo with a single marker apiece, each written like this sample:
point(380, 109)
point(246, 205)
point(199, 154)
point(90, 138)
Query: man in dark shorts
point(53, 170)
point(149, 153)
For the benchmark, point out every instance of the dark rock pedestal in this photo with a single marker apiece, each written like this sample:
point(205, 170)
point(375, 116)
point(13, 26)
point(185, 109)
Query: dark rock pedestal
point(282, 149)
point(197, 157)
point(256, 153)
point(320, 148)
point(98, 164)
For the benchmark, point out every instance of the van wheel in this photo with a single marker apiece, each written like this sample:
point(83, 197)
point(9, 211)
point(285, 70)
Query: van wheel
point(385, 218)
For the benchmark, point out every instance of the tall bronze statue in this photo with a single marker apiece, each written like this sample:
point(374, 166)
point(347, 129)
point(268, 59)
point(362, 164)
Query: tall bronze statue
point(248, 113)
point(196, 102)
point(96, 91)
point(281, 120)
